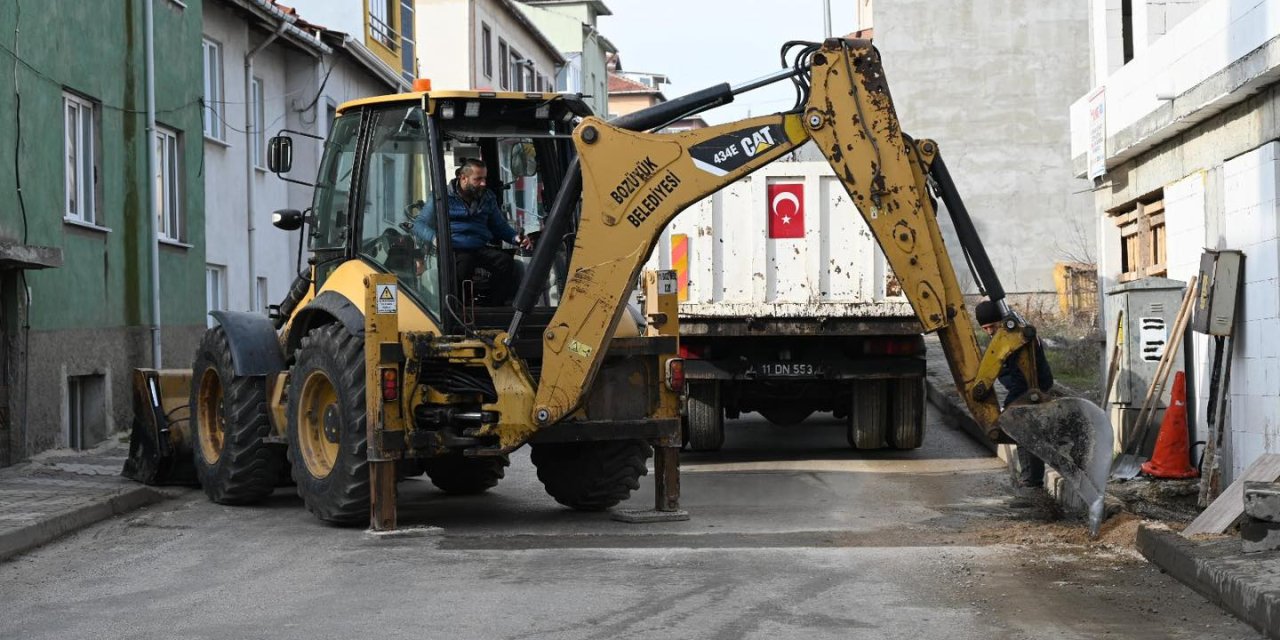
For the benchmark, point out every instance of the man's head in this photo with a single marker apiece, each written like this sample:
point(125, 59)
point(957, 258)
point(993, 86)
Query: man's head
point(472, 177)
point(988, 315)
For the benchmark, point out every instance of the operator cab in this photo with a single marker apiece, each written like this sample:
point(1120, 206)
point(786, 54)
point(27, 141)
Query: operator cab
point(386, 169)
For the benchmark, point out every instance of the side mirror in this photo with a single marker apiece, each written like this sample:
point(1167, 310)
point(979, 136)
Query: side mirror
point(522, 160)
point(280, 154)
point(287, 219)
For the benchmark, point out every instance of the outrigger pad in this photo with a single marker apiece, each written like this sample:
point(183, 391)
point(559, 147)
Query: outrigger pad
point(1073, 436)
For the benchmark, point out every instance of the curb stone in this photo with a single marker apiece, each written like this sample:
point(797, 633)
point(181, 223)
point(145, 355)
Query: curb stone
point(48, 529)
point(1218, 570)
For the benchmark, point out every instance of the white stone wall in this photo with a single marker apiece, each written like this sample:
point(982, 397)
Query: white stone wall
point(226, 203)
point(1207, 39)
point(1185, 241)
point(449, 49)
point(1250, 215)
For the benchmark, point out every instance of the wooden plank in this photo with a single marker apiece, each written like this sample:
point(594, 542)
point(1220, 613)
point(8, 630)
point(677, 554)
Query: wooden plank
point(1229, 506)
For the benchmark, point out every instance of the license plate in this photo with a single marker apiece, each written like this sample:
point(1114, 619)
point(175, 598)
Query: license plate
point(788, 370)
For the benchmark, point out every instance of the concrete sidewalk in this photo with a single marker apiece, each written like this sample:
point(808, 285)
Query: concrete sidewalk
point(1247, 585)
point(58, 492)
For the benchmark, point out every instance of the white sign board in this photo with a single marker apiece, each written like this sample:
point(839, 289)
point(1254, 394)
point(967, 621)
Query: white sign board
point(387, 298)
point(1098, 133)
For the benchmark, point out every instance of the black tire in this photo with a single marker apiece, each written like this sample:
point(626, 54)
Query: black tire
point(704, 417)
point(326, 416)
point(869, 415)
point(228, 424)
point(591, 476)
point(906, 428)
point(461, 476)
point(786, 417)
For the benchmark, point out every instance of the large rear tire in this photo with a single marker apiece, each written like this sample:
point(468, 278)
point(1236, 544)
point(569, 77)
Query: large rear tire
point(461, 476)
point(591, 476)
point(869, 415)
point(704, 417)
point(907, 398)
point(229, 422)
point(326, 416)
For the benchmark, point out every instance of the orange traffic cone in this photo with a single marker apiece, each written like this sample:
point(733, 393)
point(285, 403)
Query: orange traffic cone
point(1172, 455)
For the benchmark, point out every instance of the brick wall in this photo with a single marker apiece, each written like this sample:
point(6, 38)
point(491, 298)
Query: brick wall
point(1249, 223)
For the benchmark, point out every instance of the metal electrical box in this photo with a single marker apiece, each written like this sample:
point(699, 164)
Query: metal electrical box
point(1150, 307)
point(1220, 276)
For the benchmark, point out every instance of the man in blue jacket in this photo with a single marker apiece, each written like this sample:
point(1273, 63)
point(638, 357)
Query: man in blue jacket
point(1030, 468)
point(475, 220)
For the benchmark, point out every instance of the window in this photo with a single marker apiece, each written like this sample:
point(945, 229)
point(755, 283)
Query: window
point(527, 82)
point(504, 72)
point(263, 299)
point(486, 49)
point(517, 78)
point(398, 186)
point(381, 22)
point(215, 288)
point(80, 128)
point(168, 185)
point(214, 127)
point(86, 423)
point(256, 102)
point(1142, 237)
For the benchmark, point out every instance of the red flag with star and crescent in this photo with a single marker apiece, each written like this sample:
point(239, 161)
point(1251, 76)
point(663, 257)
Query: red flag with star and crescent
point(786, 210)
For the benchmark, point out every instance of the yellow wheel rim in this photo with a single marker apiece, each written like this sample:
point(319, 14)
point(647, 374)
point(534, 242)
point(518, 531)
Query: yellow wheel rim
point(209, 412)
point(319, 426)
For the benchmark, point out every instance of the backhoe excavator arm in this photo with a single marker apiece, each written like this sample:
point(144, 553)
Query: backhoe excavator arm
point(633, 183)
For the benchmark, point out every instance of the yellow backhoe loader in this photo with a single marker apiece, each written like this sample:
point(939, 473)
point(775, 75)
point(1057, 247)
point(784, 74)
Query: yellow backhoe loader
point(382, 362)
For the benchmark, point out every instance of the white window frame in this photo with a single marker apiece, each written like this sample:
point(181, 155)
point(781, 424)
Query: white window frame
point(504, 66)
point(168, 184)
point(259, 115)
point(80, 153)
point(214, 91)
point(486, 56)
point(215, 291)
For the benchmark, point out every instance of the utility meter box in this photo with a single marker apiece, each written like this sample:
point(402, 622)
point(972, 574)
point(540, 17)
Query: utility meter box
point(1220, 277)
point(1150, 307)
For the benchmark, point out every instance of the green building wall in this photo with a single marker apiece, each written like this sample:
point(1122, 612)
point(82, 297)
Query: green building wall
point(89, 319)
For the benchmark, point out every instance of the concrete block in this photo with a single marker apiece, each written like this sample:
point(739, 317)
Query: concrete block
point(1262, 500)
point(1258, 536)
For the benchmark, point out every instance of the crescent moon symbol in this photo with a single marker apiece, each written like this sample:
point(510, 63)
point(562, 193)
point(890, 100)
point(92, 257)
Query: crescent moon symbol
point(785, 196)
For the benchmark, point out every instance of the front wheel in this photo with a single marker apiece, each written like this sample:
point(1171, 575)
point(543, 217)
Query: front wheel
point(229, 423)
point(591, 476)
point(326, 416)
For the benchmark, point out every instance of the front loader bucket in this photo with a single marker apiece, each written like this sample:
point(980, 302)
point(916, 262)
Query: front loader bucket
point(160, 445)
point(1073, 436)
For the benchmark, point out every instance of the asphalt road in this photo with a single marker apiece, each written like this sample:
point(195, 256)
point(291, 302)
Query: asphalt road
point(791, 536)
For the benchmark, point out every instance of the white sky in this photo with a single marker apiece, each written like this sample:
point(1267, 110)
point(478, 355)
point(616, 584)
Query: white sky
point(700, 43)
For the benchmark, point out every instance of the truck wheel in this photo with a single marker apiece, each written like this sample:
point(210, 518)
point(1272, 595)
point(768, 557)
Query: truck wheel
point(461, 476)
point(785, 417)
point(229, 421)
point(326, 415)
point(906, 430)
point(704, 417)
point(868, 417)
point(591, 476)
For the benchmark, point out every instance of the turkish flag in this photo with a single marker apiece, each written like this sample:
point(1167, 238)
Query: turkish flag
point(786, 210)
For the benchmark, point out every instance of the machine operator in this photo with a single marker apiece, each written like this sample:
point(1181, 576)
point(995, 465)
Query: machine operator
point(475, 220)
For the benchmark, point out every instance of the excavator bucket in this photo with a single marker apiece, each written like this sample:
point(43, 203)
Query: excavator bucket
point(1073, 436)
point(160, 444)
